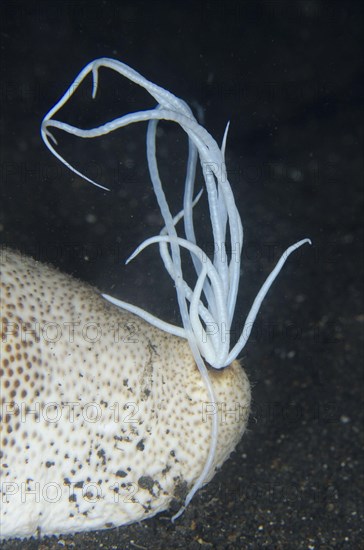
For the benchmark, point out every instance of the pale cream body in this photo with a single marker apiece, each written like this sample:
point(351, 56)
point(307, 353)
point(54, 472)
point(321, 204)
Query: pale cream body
point(118, 428)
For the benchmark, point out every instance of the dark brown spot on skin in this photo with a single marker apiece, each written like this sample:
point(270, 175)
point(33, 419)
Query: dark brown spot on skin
point(146, 482)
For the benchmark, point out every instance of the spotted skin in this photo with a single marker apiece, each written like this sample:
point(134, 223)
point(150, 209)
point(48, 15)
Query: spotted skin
point(104, 419)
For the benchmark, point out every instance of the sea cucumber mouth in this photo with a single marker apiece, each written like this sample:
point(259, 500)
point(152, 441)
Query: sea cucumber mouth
point(211, 368)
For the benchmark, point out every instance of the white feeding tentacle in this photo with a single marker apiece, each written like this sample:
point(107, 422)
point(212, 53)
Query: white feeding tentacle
point(259, 298)
point(151, 319)
point(187, 203)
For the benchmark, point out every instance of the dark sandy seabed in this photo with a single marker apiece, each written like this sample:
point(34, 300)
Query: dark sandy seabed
point(287, 75)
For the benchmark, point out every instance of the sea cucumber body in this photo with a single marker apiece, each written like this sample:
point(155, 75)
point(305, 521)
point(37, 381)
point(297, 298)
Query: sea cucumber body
point(105, 419)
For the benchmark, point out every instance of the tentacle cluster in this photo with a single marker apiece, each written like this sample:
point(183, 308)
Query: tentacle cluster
point(208, 308)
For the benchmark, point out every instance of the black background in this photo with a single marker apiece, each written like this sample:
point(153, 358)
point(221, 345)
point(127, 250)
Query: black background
point(287, 76)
